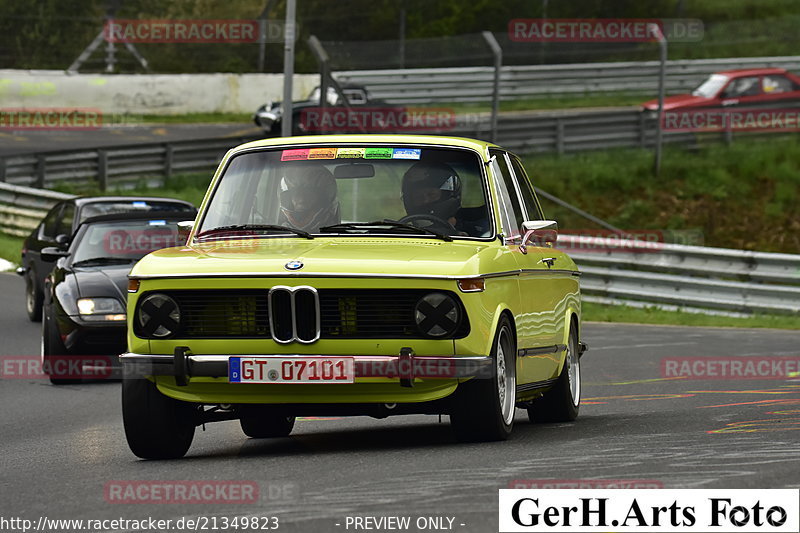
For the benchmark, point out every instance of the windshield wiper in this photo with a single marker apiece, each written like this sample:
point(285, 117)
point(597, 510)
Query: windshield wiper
point(104, 261)
point(383, 224)
point(256, 227)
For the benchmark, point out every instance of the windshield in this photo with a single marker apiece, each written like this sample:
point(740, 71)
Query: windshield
point(711, 86)
point(350, 190)
point(125, 240)
point(129, 206)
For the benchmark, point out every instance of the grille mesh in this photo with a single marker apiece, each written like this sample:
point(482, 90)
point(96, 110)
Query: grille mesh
point(344, 314)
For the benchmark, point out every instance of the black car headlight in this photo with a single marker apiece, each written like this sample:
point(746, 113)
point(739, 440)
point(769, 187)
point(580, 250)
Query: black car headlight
point(437, 315)
point(158, 316)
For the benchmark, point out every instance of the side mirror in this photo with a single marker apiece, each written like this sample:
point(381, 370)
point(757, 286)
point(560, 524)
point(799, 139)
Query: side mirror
point(62, 240)
point(184, 229)
point(52, 254)
point(540, 232)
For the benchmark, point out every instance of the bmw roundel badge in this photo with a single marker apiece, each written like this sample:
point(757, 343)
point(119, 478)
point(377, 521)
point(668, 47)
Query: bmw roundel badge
point(294, 265)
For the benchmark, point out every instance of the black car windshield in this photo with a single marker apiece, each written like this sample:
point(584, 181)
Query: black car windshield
point(347, 189)
point(123, 241)
point(94, 209)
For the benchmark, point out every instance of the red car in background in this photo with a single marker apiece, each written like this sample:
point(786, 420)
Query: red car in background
point(759, 87)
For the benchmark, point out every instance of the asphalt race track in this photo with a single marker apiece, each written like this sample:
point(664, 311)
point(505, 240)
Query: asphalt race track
point(62, 446)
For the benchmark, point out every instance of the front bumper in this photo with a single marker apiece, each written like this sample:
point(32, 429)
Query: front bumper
point(406, 366)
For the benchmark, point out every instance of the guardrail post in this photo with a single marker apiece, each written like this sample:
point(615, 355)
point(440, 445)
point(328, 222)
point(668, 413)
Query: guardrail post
point(642, 130)
point(40, 170)
point(169, 156)
point(559, 136)
point(3, 170)
point(729, 135)
point(102, 169)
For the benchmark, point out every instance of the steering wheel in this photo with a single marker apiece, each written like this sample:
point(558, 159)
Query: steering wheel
point(437, 224)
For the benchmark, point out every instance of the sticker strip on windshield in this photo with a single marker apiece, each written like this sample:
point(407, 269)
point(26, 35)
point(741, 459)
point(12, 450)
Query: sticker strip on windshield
point(322, 153)
point(350, 153)
point(406, 153)
point(379, 153)
point(295, 155)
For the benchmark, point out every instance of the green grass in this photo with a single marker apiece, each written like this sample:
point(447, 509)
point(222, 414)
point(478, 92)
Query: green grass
point(651, 315)
point(188, 118)
point(10, 248)
point(743, 196)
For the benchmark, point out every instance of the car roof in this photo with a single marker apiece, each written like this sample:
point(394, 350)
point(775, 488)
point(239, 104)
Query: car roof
point(84, 200)
point(735, 73)
point(148, 215)
point(366, 139)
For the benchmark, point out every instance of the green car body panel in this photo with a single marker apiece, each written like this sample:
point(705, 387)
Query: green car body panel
point(542, 301)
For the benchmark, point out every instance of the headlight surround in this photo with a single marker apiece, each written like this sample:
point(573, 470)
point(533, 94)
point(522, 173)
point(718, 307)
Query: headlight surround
point(101, 309)
point(158, 316)
point(437, 315)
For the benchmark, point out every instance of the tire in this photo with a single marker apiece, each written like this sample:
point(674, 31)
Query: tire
point(33, 296)
point(53, 348)
point(483, 409)
point(261, 424)
point(156, 426)
point(563, 401)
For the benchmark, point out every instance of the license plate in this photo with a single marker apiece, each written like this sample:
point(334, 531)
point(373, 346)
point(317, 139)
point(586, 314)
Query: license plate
point(291, 370)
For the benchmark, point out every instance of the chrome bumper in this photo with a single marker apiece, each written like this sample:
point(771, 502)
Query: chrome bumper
point(406, 365)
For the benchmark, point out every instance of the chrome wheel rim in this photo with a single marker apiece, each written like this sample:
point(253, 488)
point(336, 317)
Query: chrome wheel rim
point(573, 371)
point(506, 379)
point(30, 298)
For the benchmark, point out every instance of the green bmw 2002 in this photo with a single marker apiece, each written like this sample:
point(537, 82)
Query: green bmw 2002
point(355, 275)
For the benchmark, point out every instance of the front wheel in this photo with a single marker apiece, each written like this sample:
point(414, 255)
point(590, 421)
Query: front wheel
point(33, 297)
point(563, 401)
point(55, 356)
point(483, 409)
point(156, 426)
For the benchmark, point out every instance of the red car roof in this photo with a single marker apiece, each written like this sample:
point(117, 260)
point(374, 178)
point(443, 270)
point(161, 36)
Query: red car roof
point(736, 73)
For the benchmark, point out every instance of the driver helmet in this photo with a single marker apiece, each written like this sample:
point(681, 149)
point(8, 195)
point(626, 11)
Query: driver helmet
point(432, 189)
point(308, 198)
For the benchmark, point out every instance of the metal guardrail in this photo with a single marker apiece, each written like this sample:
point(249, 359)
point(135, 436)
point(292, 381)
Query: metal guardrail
point(115, 164)
point(686, 276)
point(470, 84)
point(614, 270)
point(21, 208)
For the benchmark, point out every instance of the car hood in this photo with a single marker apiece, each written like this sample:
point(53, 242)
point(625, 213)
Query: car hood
point(110, 281)
point(678, 101)
point(342, 256)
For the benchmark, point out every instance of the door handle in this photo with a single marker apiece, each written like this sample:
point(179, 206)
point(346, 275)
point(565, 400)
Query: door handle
point(548, 261)
point(730, 102)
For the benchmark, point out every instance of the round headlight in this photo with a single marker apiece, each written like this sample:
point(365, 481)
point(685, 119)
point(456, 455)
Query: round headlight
point(437, 315)
point(158, 316)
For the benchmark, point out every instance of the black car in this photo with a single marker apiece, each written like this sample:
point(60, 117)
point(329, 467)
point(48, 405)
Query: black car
point(60, 223)
point(85, 295)
point(268, 116)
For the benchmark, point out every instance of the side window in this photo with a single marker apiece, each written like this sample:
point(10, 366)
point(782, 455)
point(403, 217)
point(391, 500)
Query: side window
point(47, 231)
point(776, 84)
point(532, 208)
point(65, 221)
point(743, 87)
point(511, 208)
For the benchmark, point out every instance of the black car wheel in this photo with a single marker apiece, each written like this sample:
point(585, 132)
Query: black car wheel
point(563, 401)
point(261, 424)
point(483, 409)
point(54, 354)
point(156, 426)
point(33, 296)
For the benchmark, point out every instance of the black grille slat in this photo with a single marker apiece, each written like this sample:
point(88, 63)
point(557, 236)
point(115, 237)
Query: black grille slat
point(344, 314)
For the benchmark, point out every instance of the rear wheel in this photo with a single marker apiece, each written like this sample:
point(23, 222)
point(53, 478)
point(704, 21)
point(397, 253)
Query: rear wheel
point(33, 296)
point(156, 426)
point(484, 408)
point(262, 424)
point(563, 401)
